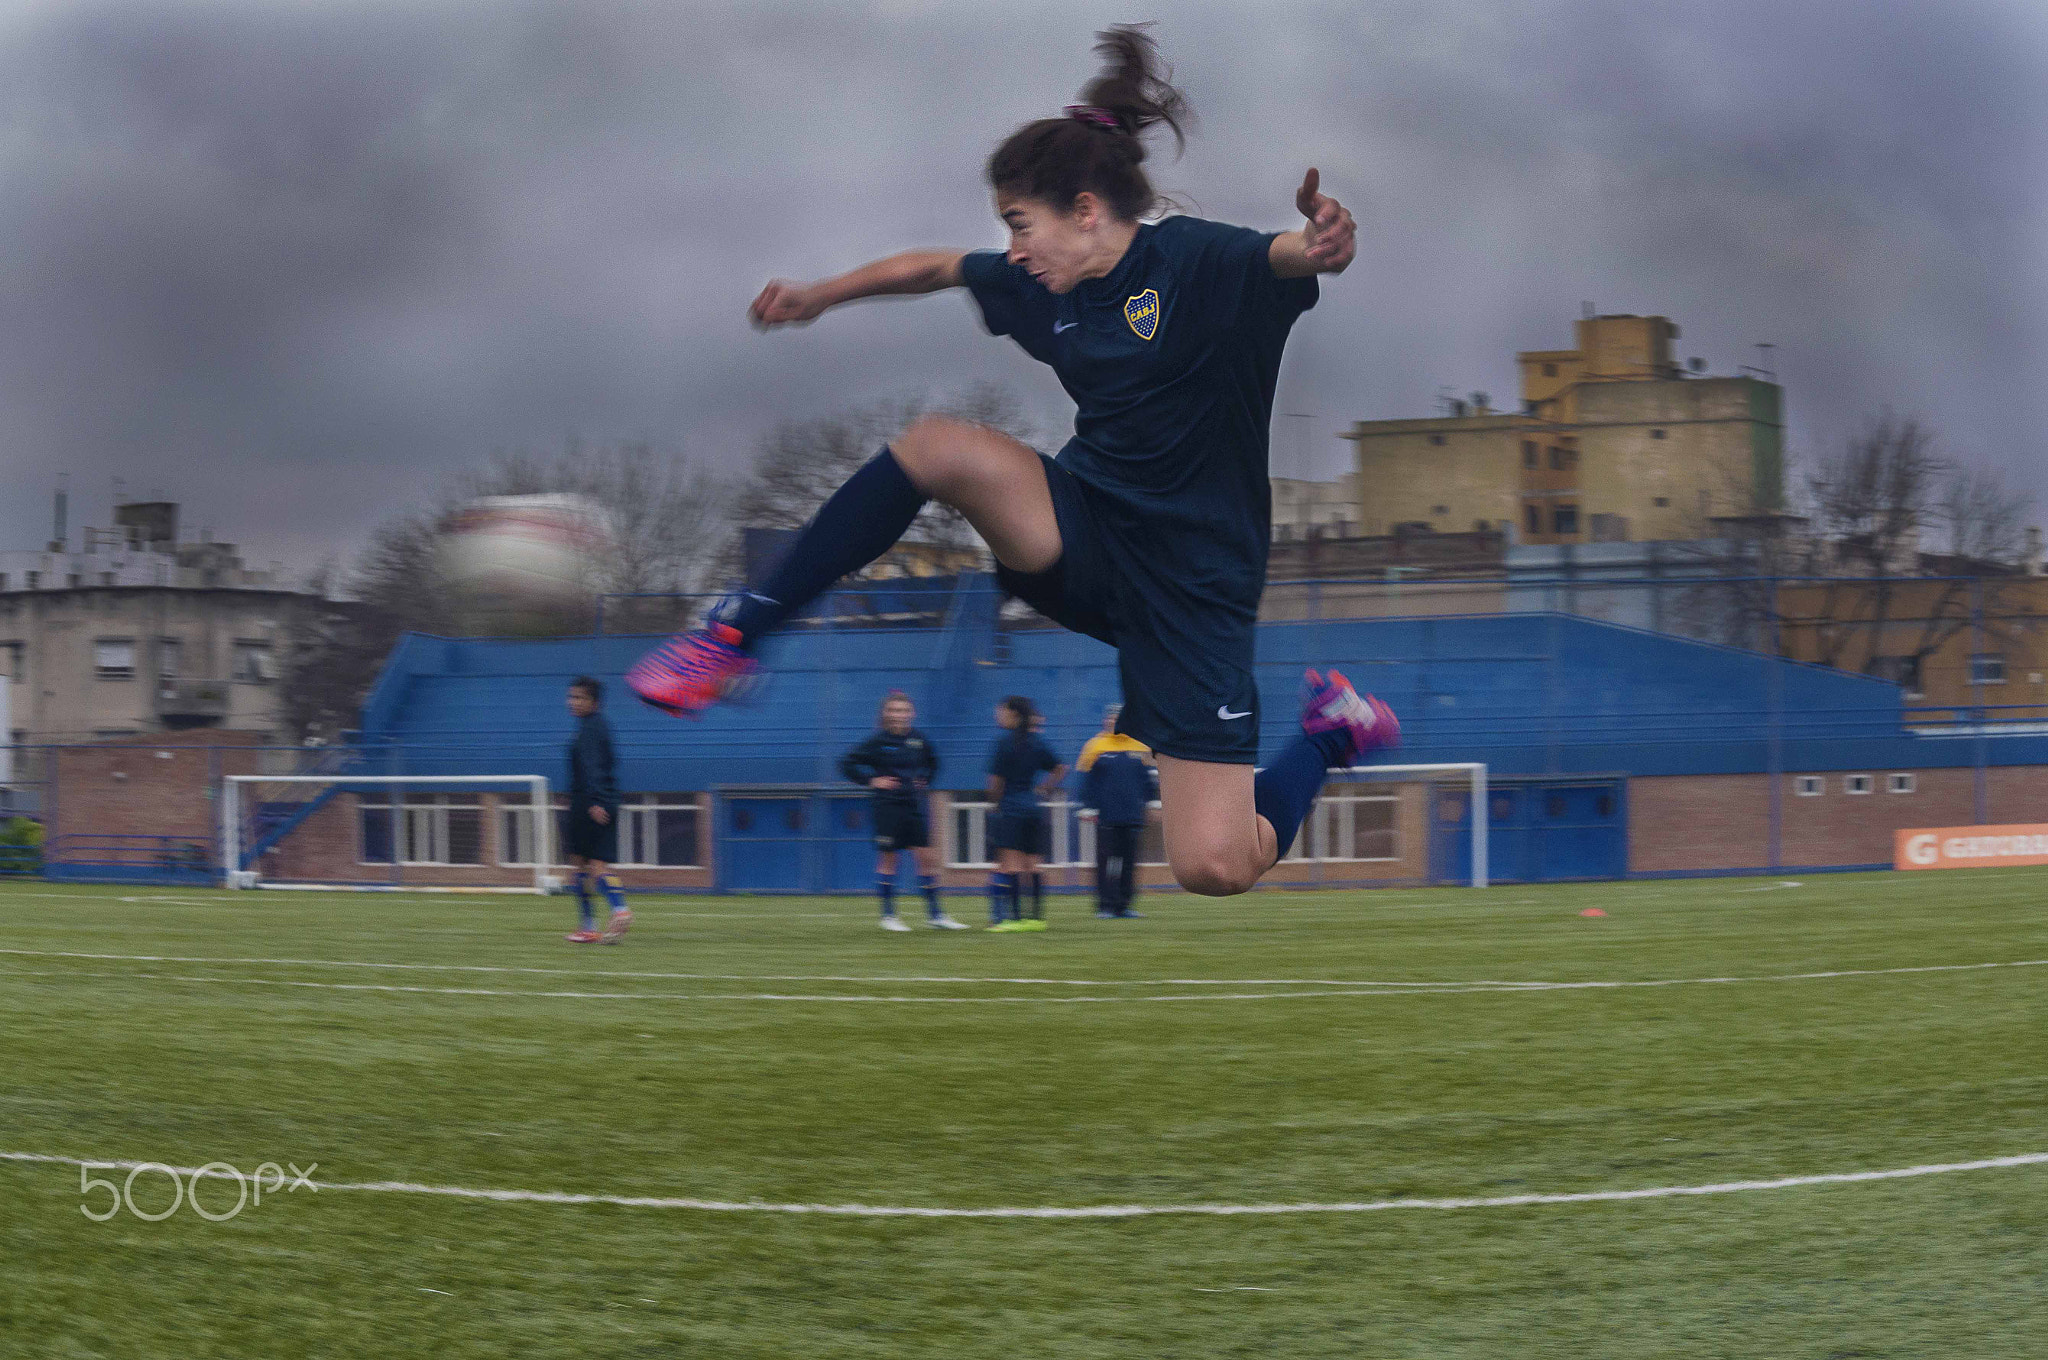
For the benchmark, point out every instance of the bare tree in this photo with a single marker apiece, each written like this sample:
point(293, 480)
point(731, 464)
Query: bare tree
point(801, 463)
point(1902, 549)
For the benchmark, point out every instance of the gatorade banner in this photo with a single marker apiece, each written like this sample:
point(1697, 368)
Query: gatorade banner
point(1970, 847)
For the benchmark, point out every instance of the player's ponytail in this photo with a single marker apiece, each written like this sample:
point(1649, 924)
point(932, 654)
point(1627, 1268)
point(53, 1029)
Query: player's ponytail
point(1096, 146)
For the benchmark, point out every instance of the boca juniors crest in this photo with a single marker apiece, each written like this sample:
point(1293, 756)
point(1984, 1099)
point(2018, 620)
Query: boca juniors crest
point(1142, 312)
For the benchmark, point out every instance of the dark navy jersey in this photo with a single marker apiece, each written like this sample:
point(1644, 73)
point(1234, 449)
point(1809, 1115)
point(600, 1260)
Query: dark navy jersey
point(1020, 757)
point(1171, 359)
point(593, 769)
point(1119, 785)
point(911, 758)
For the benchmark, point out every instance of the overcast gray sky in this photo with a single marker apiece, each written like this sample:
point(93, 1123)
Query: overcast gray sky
point(294, 264)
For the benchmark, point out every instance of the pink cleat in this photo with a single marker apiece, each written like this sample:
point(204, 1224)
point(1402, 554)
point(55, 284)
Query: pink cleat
point(692, 671)
point(583, 937)
point(1332, 705)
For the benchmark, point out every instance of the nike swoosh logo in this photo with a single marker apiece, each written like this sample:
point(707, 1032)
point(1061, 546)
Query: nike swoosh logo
point(1059, 326)
point(1223, 712)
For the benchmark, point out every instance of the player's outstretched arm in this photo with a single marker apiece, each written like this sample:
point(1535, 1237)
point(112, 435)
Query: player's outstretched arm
point(1325, 245)
point(785, 302)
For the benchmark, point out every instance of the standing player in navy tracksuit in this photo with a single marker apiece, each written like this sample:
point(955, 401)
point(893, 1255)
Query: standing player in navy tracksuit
point(899, 763)
point(1117, 781)
point(1150, 529)
point(590, 830)
point(1019, 831)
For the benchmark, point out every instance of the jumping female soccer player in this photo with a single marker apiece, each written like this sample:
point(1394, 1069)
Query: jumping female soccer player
point(899, 763)
point(1150, 529)
point(1019, 830)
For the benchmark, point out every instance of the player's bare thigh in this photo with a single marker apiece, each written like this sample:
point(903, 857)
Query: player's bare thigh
point(992, 479)
point(1216, 842)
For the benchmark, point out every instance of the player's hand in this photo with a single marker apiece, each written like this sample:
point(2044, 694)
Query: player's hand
point(885, 781)
point(1331, 235)
point(785, 303)
point(599, 815)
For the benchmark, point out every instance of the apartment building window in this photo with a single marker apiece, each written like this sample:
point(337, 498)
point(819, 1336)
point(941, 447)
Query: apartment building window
point(1987, 668)
point(170, 658)
point(1563, 459)
point(1564, 519)
point(1532, 519)
point(1899, 783)
point(1810, 786)
point(1656, 434)
point(74, 580)
point(1661, 502)
point(107, 578)
point(1437, 440)
point(35, 579)
point(1856, 783)
point(17, 656)
point(253, 662)
point(1530, 457)
point(1550, 370)
point(113, 659)
point(1439, 509)
point(3, 580)
point(1903, 671)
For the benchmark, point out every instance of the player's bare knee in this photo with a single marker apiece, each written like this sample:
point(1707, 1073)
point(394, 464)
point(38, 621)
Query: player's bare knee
point(932, 452)
point(1213, 875)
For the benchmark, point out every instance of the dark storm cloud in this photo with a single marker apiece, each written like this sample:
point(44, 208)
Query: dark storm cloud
point(296, 265)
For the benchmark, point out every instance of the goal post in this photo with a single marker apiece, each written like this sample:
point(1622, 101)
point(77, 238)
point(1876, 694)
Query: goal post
point(1474, 774)
point(388, 833)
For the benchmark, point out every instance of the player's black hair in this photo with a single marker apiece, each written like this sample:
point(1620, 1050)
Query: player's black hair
point(594, 688)
point(1097, 147)
point(1022, 708)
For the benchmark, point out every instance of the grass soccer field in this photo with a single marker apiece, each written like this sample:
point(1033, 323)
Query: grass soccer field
point(1334, 1124)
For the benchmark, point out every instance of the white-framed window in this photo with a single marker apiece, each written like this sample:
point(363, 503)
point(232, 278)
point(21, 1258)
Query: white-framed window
point(1987, 668)
point(1900, 783)
point(1349, 827)
point(1809, 786)
point(659, 830)
point(16, 654)
point(170, 658)
point(518, 840)
point(967, 847)
point(432, 828)
point(113, 659)
point(1855, 783)
point(254, 663)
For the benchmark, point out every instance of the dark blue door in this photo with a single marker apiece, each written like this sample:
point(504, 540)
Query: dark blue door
point(1537, 832)
point(762, 842)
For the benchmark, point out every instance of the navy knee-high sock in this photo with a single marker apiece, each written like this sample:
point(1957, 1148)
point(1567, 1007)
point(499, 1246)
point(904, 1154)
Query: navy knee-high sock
point(861, 521)
point(928, 884)
point(1284, 791)
point(583, 911)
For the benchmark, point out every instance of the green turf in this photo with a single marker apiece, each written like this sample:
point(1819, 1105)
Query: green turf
point(1030, 1095)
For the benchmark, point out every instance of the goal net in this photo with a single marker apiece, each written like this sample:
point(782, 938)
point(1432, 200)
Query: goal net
point(1410, 823)
point(415, 833)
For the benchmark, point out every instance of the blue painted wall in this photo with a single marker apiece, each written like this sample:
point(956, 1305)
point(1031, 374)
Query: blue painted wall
point(1528, 693)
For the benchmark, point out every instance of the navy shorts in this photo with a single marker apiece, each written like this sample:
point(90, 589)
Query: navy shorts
point(1027, 831)
point(900, 826)
point(1186, 668)
point(583, 837)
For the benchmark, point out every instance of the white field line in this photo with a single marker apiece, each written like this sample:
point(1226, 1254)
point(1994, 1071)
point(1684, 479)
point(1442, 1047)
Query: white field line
point(1367, 985)
point(1086, 1210)
point(1325, 989)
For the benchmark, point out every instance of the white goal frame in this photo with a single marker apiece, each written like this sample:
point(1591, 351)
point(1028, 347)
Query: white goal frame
point(538, 798)
point(1475, 771)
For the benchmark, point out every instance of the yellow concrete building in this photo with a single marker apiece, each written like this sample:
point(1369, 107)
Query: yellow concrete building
point(1613, 442)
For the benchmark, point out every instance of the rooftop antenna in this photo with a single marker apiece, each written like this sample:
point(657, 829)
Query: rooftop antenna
point(60, 539)
point(1762, 367)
